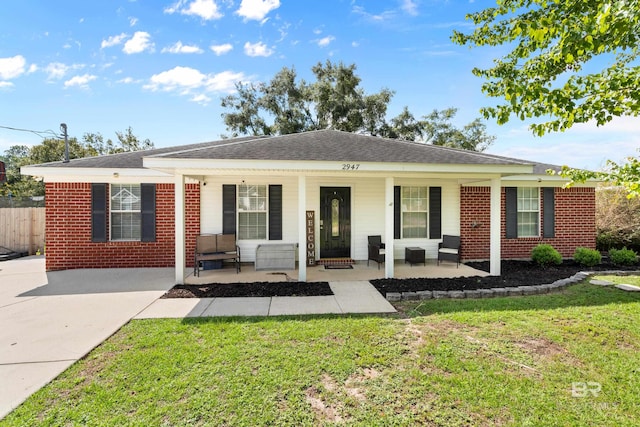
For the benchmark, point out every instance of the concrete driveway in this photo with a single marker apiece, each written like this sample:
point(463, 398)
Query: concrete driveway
point(50, 320)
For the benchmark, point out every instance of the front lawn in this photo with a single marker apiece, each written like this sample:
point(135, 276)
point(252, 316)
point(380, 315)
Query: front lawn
point(571, 358)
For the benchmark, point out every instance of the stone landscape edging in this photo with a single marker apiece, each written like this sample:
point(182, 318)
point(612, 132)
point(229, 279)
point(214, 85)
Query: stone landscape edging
point(502, 292)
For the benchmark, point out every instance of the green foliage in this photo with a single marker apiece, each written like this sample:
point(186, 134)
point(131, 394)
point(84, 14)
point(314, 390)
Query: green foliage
point(335, 100)
point(623, 256)
point(53, 149)
point(545, 255)
point(547, 73)
point(587, 257)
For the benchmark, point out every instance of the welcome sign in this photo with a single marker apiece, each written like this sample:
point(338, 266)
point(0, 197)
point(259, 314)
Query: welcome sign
point(311, 237)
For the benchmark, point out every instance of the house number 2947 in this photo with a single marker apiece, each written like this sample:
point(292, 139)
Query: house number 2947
point(350, 166)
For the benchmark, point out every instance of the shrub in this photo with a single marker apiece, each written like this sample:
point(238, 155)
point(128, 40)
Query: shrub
point(623, 256)
point(587, 257)
point(545, 255)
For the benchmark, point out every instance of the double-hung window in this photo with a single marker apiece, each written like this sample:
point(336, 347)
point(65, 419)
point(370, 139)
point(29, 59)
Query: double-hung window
point(125, 211)
point(414, 212)
point(252, 212)
point(528, 212)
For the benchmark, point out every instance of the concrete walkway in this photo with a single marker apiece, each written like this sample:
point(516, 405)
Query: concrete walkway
point(349, 297)
point(51, 320)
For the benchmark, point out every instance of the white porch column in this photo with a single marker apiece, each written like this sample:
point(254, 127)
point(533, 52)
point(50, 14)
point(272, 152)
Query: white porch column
point(302, 229)
point(179, 228)
point(388, 228)
point(494, 259)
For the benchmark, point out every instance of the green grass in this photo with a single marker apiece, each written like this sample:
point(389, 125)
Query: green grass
point(502, 361)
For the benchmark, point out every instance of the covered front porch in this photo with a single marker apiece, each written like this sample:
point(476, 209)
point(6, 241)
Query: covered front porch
point(318, 273)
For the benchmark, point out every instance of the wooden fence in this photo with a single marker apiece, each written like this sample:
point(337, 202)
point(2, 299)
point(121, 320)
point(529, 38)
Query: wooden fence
point(22, 229)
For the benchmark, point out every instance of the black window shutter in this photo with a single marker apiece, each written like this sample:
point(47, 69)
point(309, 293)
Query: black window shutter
point(511, 212)
point(397, 212)
point(549, 206)
point(99, 212)
point(435, 212)
point(275, 212)
point(228, 209)
point(148, 212)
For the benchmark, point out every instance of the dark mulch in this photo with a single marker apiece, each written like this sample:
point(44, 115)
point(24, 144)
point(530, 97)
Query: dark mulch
point(513, 273)
point(257, 289)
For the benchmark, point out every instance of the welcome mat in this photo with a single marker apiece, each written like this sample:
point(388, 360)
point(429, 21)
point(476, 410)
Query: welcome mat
point(338, 266)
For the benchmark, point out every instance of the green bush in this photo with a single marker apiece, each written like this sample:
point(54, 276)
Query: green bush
point(587, 257)
point(623, 256)
point(545, 255)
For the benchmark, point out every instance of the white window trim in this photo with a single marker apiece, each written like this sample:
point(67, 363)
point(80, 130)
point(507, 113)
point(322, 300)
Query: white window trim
point(265, 211)
point(537, 211)
point(403, 211)
point(120, 211)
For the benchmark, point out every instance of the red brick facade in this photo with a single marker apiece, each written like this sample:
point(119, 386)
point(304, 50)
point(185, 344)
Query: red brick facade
point(68, 230)
point(69, 244)
point(574, 224)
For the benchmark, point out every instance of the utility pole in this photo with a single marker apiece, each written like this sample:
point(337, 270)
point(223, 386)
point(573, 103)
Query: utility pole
point(63, 128)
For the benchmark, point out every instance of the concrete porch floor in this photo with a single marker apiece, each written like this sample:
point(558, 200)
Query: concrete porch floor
point(318, 273)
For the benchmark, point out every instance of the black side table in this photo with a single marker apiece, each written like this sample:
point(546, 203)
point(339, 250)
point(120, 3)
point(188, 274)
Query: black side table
point(414, 255)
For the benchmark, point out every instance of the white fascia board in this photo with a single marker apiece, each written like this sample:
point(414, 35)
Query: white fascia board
point(129, 175)
point(529, 181)
point(198, 165)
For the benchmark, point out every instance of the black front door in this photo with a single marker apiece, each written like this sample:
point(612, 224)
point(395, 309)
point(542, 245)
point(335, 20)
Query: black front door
point(335, 222)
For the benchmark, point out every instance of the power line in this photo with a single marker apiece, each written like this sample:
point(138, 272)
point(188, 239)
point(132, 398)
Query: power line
point(40, 133)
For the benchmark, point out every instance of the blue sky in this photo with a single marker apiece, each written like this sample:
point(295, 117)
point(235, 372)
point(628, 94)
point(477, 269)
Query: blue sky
point(162, 66)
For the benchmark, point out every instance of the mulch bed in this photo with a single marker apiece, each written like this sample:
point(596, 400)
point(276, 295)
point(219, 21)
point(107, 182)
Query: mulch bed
point(513, 273)
point(257, 289)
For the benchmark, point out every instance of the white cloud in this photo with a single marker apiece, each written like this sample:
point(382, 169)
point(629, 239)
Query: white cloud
point(221, 49)
point(410, 7)
point(126, 80)
point(32, 68)
point(138, 43)
point(201, 99)
point(205, 9)
point(355, 44)
point(191, 82)
point(57, 70)
point(132, 21)
point(181, 48)
point(12, 67)
point(176, 78)
point(257, 49)
point(257, 9)
point(80, 81)
point(113, 40)
point(385, 16)
point(4, 85)
point(325, 41)
point(224, 81)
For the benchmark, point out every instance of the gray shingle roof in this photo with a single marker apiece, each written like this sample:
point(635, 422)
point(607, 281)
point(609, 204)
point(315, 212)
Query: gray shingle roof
point(131, 159)
point(331, 145)
point(322, 145)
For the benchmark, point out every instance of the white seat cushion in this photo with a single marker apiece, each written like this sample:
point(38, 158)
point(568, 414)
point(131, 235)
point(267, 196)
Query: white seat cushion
point(448, 251)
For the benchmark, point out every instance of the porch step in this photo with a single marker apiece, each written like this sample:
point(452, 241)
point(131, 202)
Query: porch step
point(335, 261)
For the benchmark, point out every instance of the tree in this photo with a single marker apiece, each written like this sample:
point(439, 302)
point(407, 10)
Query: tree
point(53, 149)
point(545, 74)
point(440, 131)
point(335, 100)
